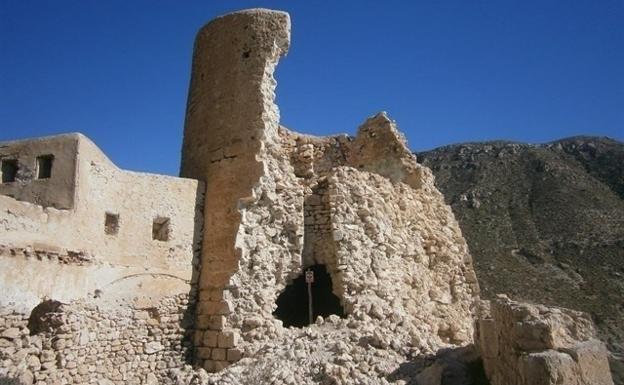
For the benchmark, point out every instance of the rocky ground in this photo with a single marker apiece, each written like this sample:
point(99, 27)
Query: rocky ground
point(544, 223)
point(341, 351)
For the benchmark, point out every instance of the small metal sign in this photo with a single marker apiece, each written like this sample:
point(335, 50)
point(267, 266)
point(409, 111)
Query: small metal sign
point(309, 278)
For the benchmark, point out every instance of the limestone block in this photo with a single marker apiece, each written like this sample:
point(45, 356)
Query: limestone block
point(547, 368)
point(216, 322)
point(213, 307)
point(213, 280)
point(220, 365)
point(488, 338)
point(219, 354)
point(198, 335)
point(212, 294)
point(25, 377)
point(524, 344)
point(151, 379)
point(204, 353)
point(83, 369)
point(202, 322)
point(10, 333)
point(590, 357)
point(153, 347)
point(210, 338)
point(234, 355)
point(33, 362)
point(228, 339)
point(209, 366)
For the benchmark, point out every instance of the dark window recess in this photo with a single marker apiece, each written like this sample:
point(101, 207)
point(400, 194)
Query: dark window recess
point(160, 229)
point(111, 224)
point(292, 304)
point(9, 170)
point(44, 166)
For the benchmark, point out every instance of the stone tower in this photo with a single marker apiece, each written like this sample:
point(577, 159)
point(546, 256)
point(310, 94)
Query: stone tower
point(230, 113)
point(358, 211)
point(317, 260)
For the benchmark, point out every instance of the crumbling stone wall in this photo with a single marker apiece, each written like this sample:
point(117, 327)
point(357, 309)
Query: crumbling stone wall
point(278, 201)
point(231, 124)
point(524, 344)
point(87, 344)
point(401, 259)
point(318, 243)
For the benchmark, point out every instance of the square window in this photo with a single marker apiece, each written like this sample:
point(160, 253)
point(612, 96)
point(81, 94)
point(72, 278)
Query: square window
point(44, 166)
point(160, 229)
point(111, 224)
point(9, 170)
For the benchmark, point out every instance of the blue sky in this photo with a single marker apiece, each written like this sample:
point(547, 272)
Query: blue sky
point(447, 71)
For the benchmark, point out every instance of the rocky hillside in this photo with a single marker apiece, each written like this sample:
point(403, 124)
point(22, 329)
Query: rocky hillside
point(544, 223)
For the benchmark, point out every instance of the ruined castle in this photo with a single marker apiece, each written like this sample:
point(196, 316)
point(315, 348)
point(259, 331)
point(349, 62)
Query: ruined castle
point(117, 277)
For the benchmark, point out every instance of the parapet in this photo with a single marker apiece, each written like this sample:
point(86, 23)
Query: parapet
point(42, 171)
point(67, 210)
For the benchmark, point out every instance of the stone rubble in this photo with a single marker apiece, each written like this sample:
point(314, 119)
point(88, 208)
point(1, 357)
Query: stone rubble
point(524, 344)
point(362, 207)
point(276, 203)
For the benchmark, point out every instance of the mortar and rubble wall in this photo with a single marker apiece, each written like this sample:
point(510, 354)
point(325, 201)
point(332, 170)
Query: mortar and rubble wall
point(111, 255)
point(120, 277)
point(278, 202)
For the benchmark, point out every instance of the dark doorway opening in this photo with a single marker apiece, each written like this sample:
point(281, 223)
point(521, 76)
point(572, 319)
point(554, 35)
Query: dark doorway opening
point(292, 304)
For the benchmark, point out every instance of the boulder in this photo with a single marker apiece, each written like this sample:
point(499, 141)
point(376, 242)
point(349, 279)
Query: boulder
point(525, 344)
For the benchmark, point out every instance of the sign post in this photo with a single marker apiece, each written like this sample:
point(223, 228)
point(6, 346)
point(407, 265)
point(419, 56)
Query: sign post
point(309, 278)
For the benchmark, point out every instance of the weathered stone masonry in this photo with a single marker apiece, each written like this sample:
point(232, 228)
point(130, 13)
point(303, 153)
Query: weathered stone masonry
point(85, 343)
point(278, 202)
point(230, 121)
point(127, 278)
point(116, 249)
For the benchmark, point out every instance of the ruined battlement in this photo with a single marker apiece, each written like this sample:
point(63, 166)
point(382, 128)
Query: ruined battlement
point(277, 258)
point(378, 147)
point(278, 203)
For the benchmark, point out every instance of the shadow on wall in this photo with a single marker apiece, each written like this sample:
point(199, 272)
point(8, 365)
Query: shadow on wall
point(292, 303)
point(10, 381)
point(458, 366)
point(189, 317)
point(616, 363)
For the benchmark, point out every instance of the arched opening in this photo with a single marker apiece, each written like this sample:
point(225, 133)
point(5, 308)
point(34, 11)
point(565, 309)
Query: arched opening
point(45, 317)
point(292, 304)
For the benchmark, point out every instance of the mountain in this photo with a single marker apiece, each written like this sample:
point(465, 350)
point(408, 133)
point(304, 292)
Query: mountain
point(544, 223)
